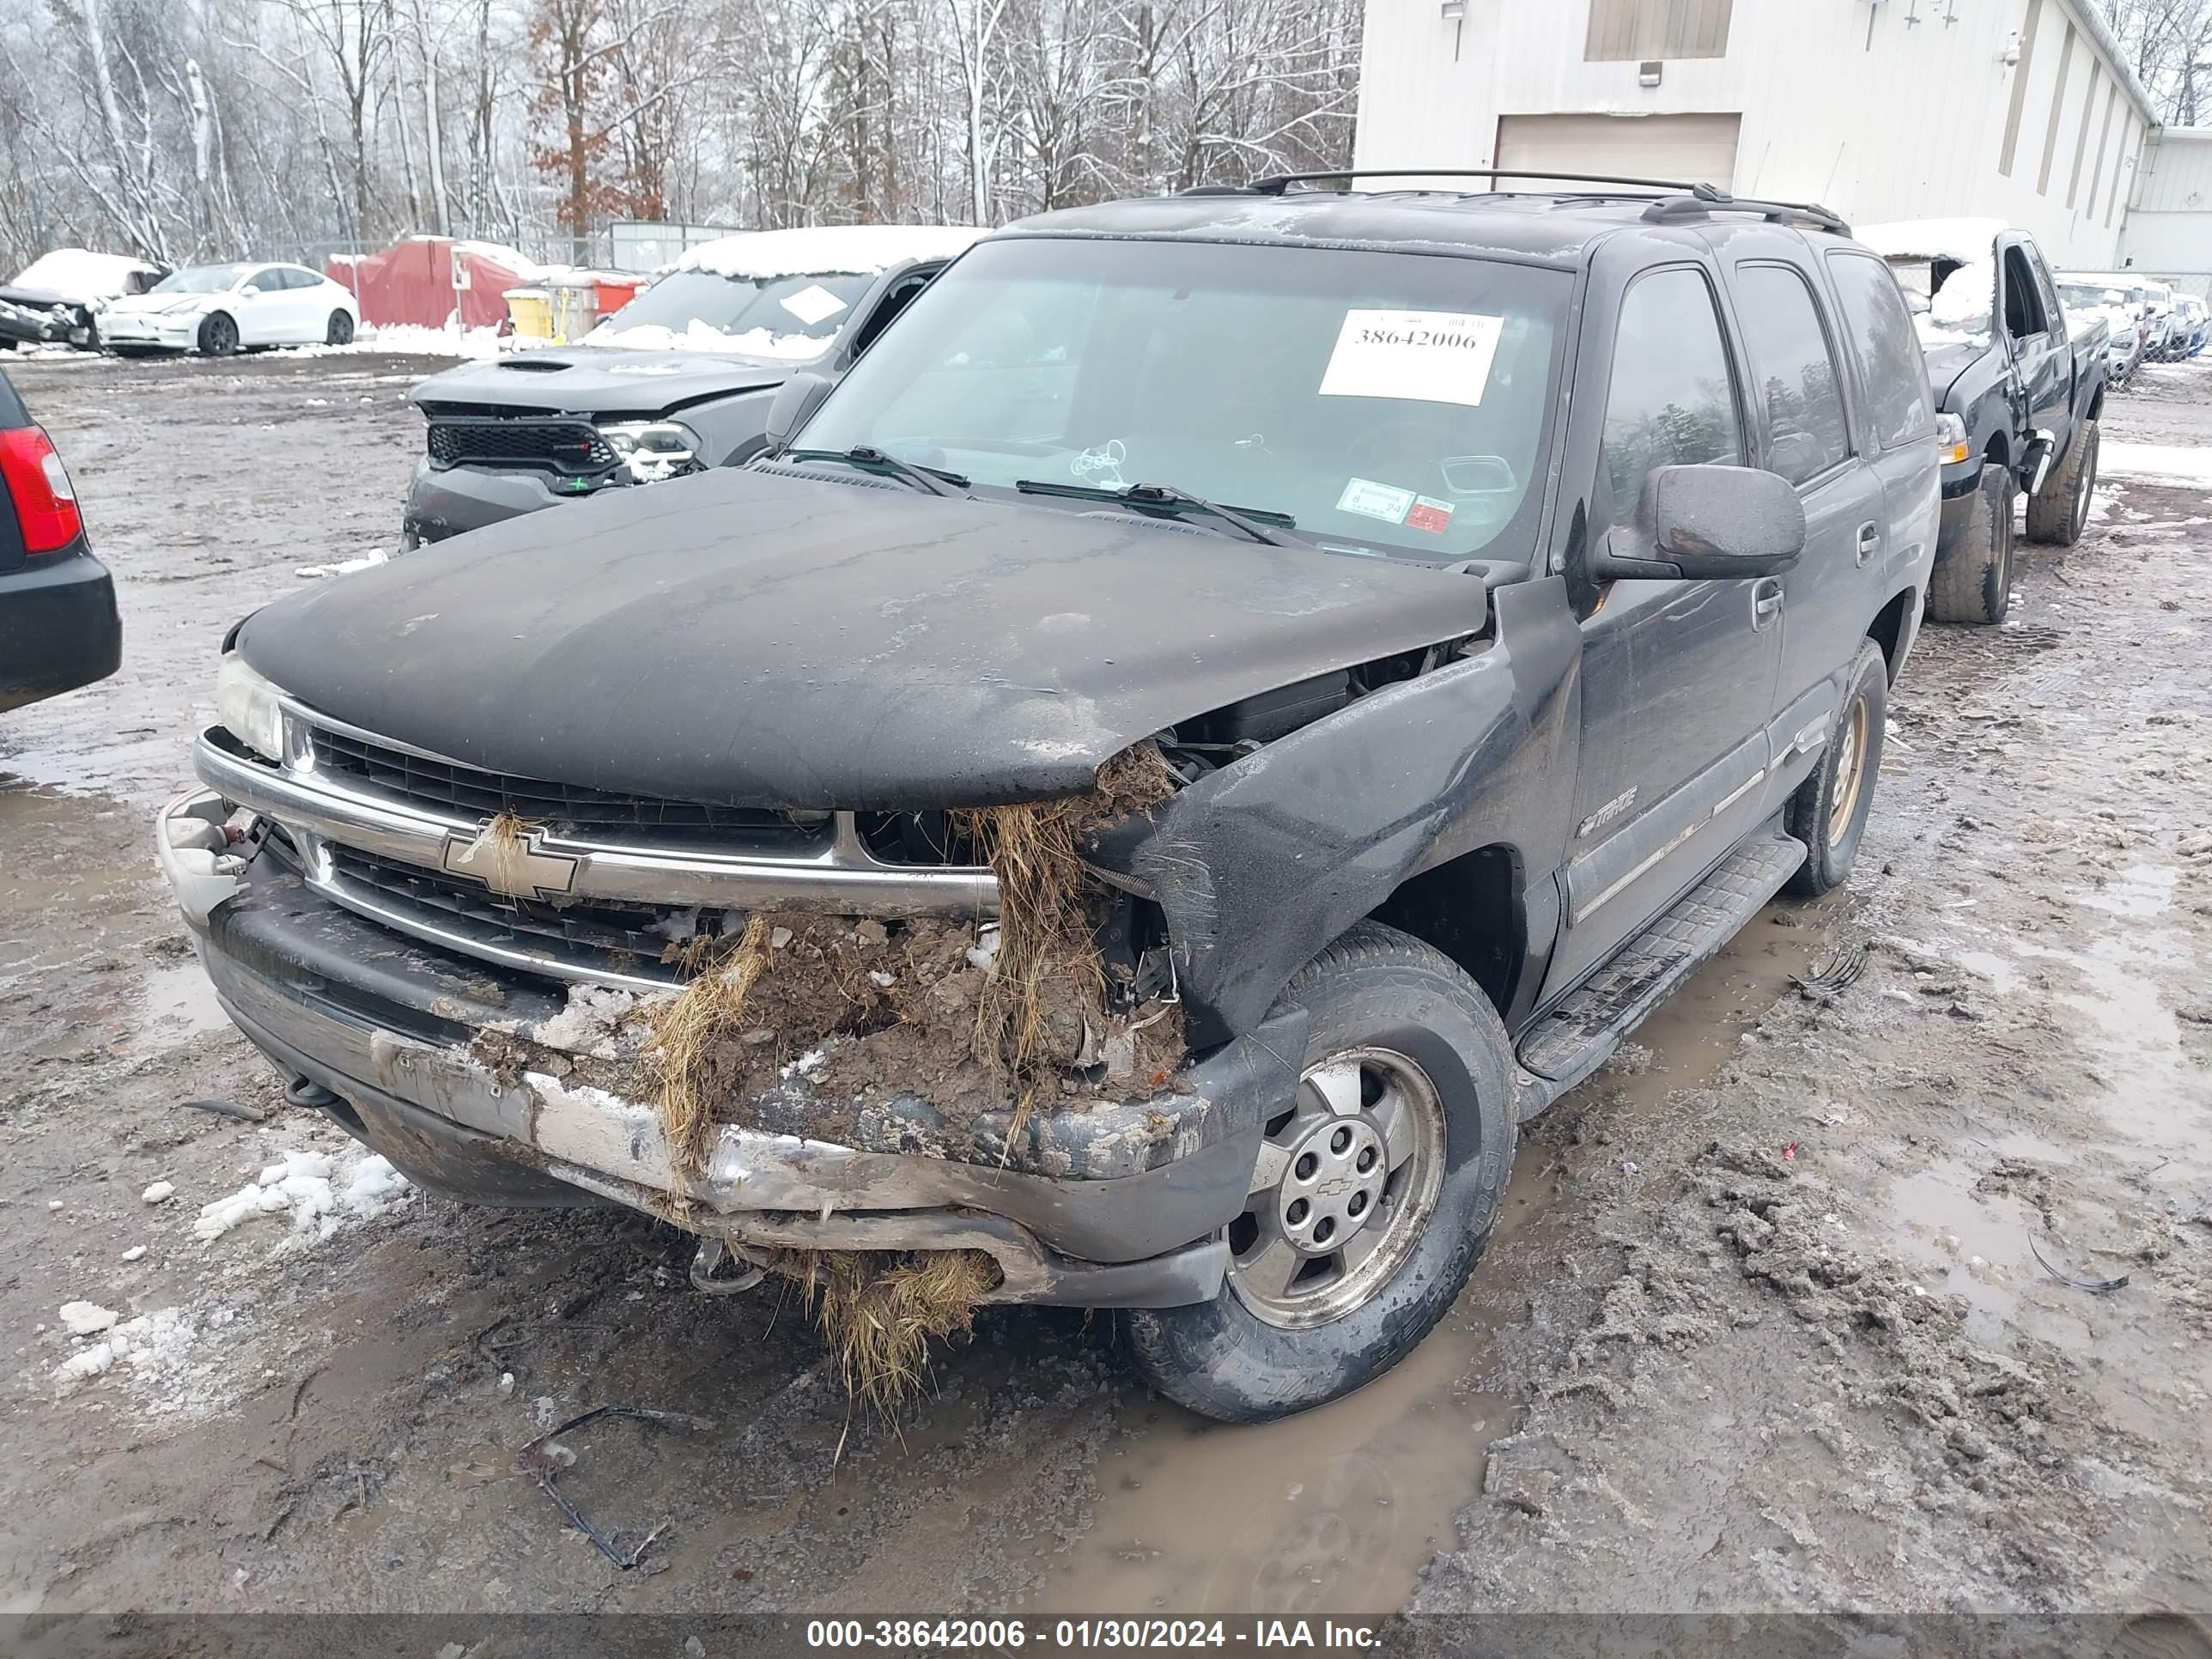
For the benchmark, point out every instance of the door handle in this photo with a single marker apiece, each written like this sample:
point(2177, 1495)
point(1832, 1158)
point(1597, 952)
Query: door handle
point(1870, 539)
point(1765, 601)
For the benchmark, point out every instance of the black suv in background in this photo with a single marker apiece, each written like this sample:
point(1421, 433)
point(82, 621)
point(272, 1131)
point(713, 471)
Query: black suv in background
point(1449, 615)
point(59, 629)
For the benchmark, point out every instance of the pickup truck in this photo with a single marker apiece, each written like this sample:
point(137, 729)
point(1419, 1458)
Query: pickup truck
point(677, 380)
point(1339, 657)
point(2019, 396)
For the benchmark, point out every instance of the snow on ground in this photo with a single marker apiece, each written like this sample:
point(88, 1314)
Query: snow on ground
point(415, 340)
point(2173, 464)
point(320, 1194)
point(825, 250)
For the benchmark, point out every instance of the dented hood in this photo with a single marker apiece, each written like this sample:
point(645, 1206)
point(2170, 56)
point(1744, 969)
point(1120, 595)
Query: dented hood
point(601, 379)
point(743, 637)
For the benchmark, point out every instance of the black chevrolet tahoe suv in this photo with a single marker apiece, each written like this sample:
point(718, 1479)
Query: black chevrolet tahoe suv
point(1500, 592)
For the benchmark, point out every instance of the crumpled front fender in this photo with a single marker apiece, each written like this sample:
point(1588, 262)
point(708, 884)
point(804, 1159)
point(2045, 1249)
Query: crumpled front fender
point(1258, 865)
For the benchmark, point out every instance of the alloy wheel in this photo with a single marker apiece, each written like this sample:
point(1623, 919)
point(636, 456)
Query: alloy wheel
point(1344, 1183)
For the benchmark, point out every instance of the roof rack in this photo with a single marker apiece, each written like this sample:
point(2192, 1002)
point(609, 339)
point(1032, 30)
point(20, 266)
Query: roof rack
point(1682, 202)
point(1278, 184)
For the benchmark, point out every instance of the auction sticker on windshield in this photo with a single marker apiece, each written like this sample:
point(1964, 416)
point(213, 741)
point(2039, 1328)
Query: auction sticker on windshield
point(1376, 500)
point(813, 305)
point(1422, 356)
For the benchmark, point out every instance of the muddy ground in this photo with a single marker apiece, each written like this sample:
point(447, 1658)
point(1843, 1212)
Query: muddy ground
point(1766, 1326)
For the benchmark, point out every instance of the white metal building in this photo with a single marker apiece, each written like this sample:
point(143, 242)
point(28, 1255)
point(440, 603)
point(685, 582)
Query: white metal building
point(2169, 225)
point(2024, 110)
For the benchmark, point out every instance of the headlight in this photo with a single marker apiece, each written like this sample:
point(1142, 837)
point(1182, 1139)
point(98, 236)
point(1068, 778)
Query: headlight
point(1950, 440)
point(250, 707)
point(653, 450)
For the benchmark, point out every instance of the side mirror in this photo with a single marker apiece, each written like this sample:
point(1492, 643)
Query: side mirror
point(794, 404)
point(250, 290)
point(1707, 523)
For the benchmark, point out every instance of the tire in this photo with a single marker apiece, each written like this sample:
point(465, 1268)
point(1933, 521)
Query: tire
point(2061, 513)
point(218, 336)
point(1390, 1017)
point(1829, 812)
point(340, 330)
point(1972, 583)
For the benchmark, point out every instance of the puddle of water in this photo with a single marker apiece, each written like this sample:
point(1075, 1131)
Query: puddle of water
point(1333, 1510)
point(1338, 1510)
point(2153, 1094)
point(2140, 889)
point(181, 995)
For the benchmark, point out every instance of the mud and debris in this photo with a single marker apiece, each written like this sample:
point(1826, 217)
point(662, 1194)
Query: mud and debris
point(1645, 1400)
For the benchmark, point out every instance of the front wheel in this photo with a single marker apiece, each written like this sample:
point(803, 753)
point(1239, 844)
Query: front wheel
point(218, 336)
point(1372, 1197)
point(340, 332)
point(1972, 581)
point(1829, 811)
point(2060, 513)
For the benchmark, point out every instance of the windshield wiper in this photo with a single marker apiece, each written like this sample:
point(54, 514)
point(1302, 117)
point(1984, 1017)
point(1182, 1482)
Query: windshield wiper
point(933, 480)
point(1252, 521)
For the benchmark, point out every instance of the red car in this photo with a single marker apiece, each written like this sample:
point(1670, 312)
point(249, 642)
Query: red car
point(58, 627)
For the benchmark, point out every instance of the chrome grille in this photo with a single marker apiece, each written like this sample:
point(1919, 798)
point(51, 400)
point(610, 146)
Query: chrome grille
point(567, 808)
point(620, 940)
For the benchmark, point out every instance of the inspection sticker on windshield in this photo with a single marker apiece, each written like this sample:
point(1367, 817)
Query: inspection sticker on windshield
point(813, 305)
point(1422, 357)
point(1375, 500)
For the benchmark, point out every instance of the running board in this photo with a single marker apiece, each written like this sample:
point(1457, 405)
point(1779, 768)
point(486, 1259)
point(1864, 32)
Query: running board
point(1573, 1039)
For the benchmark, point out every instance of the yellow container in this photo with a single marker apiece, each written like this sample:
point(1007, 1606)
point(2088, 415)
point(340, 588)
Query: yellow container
point(531, 311)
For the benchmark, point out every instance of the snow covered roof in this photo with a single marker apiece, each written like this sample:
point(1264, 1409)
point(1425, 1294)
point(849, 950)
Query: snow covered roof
point(825, 250)
point(76, 274)
point(1933, 239)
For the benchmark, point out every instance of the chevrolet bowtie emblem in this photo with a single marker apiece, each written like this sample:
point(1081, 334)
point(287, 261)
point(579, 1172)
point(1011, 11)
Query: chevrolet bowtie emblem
point(519, 867)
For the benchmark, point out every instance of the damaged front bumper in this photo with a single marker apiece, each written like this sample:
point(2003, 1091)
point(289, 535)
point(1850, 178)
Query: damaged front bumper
point(1112, 1204)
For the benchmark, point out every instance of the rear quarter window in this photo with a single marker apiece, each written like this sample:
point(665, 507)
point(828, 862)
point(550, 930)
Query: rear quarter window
point(1878, 333)
point(12, 412)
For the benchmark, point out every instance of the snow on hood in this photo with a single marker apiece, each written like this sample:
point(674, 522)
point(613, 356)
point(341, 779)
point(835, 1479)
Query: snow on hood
point(825, 250)
point(705, 337)
point(78, 274)
point(1933, 239)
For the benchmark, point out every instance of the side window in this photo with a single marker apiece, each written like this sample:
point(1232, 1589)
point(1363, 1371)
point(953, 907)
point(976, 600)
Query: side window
point(1794, 370)
point(1885, 347)
point(269, 280)
point(2023, 307)
point(901, 296)
point(1673, 400)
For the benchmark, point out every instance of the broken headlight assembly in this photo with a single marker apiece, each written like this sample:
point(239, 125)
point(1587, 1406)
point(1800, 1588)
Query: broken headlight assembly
point(250, 708)
point(653, 450)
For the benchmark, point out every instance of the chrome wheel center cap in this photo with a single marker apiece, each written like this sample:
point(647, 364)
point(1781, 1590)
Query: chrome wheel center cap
point(1334, 1185)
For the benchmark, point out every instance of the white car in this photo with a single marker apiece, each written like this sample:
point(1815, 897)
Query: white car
point(215, 310)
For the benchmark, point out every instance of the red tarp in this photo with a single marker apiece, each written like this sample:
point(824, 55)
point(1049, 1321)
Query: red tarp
point(425, 279)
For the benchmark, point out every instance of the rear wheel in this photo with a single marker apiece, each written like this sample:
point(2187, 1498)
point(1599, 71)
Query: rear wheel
point(2061, 513)
point(1829, 812)
point(218, 336)
point(1972, 582)
point(340, 332)
point(1372, 1196)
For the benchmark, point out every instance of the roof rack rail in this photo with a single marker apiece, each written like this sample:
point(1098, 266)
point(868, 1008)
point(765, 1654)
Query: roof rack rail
point(1705, 200)
point(1276, 183)
point(1684, 201)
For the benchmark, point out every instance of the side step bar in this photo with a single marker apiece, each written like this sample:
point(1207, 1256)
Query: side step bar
point(1573, 1039)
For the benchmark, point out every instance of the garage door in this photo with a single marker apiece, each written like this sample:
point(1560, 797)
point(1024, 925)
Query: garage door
point(1692, 148)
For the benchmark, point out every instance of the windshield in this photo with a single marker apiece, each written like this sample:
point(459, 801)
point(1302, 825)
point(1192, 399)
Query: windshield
point(1392, 402)
point(200, 279)
point(795, 316)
